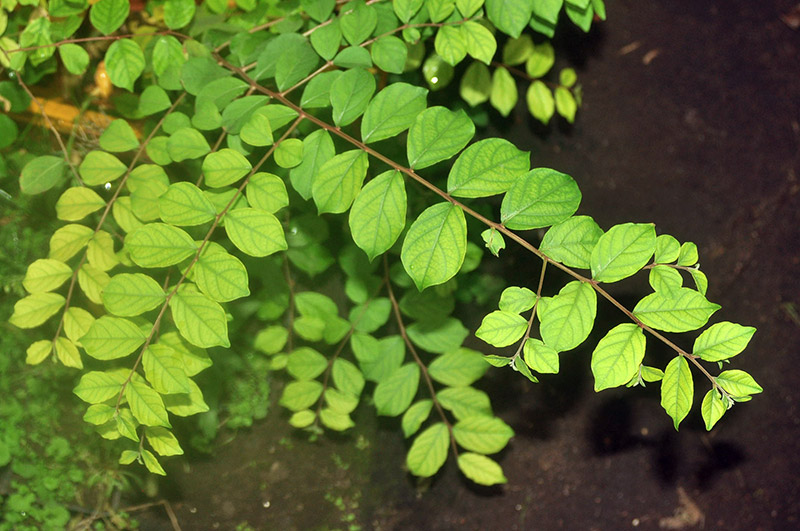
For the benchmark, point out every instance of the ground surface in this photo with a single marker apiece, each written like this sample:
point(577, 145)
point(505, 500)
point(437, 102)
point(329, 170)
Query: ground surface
point(690, 121)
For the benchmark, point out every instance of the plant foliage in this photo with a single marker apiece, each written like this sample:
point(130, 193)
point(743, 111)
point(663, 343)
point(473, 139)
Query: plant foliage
point(261, 144)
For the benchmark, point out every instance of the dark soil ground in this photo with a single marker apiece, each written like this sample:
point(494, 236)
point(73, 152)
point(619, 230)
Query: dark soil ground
point(690, 121)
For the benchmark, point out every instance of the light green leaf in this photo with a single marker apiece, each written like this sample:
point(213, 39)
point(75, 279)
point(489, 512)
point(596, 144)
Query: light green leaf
point(480, 42)
point(152, 464)
point(271, 339)
point(302, 419)
point(194, 360)
point(163, 441)
point(130, 294)
point(451, 44)
point(98, 414)
point(257, 131)
point(430, 306)
point(124, 63)
point(540, 198)
point(502, 328)
point(415, 416)
point(38, 351)
point(476, 84)
point(722, 341)
point(178, 13)
point(237, 113)
point(378, 359)
point(738, 383)
point(540, 60)
point(392, 111)
point(41, 173)
point(371, 315)
point(405, 9)
point(350, 95)
point(199, 319)
point(438, 336)
point(700, 280)
point(428, 452)
point(74, 57)
point(487, 167)
point(340, 402)
point(163, 367)
point(540, 101)
point(118, 137)
point(493, 241)
point(335, 420)
point(435, 245)
point(99, 167)
point(67, 353)
point(497, 361)
point(255, 232)
point(651, 374)
point(187, 143)
point(504, 94)
point(465, 402)
point(327, 39)
point(184, 405)
point(677, 390)
point(221, 276)
point(679, 310)
point(289, 153)
point(305, 363)
point(317, 93)
point(153, 100)
point(712, 408)
point(664, 278)
point(78, 202)
point(92, 282)
point(519, 365)
point(667, 249)
point(35, 309)
point(96, 387)
point(77, 322)
point(317, 148)
point(460, 367)
point(516, 51)
point(622, 251)
point(567, 318)
point(45, 275)
point(159, 245)
point(339, 180)
point(482, 434)
point(540, 357)
point(301, 395)
point(394, 394)
point(389, 54)
point(108, 15)
point(378, 215)
point(293, 68)
point(480, 469)
point(571, 241)
point(185, 204)
point(146, 404)
point(225, 167)
point(616, 359)
point(566, 104)
point(509, 16)
point(437, 134)
point(110, 338)
point(688, 254)
point(267, 192)
point(358, 21)
point(347, 377)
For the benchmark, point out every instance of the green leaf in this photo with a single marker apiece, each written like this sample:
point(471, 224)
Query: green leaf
point(38, 351)
point(651, 374)
point(237, 113)
point(68, 240)
point(437, 134)
point(497, 361)
point(437, 72)
point(487, 167)
point(679, 310)
point(405, 9)
point(178, 13)
point(131, 294)
point(185, 204)
point(435, 245)
point(326, 40)
point(317, 148)
point(378, 215)
point(392, 111)
point(255, 232)
point(335, 420)
point(96, 387)
point(700, 280)
point(163, 367)
point(108, 15)
point(225, 167)
point(394, 394)
point(501, 328)
point(571, 241)
point(465, 402)
point(221, 276)
point(738, 383)
point(152, 464)
point(480, 469)
point(78, 202)
point(371, 315)
point(186, 404)
point(616, 359)
point(319, 10)
point(430, 306)
point(199, 319)
point(566, 104)
point(45, 275)
point(99, 167)
point(294, 67)
point(476, 84)
point(257, 131)
point(540, 101)
point(540, 357)
point(664, 278)
point(428, 452)
point(289, 153)
point(509, 16)
point(347, 377)
point(493, 240)
point(342, 403)
point(389, 54)
point(124, 63)
point(622, 251)
point(358, 21)
point(378, 359)
point(415, 416)
point(712, 408)
point(75, 58)
point(541, 60)
point(302, 419)
point(480, 42)
point(271, 340)
point(119, 137)
point(722, 341)
point(301, 395)
point(350, 94)
point(266, 191)
point(688, 254)
point(41, 173)
point(67, 353)
point(353, 57)
point(98, 414)
point(516, 51)
point(667, 249)
point(567, 318)
point(163, 441)
point(482, 434)
point(339, 180)
point(677, 390)
point(438, 336)
point(317, 92)
point(187, 143)
point(159, 245)
point(110, 338)
point(451, 44)
point(35, 309)
point(519, 365)
point(460, 367)
point(504, 94)
point(305, 363)
point(540, 198)
point(146, 404)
